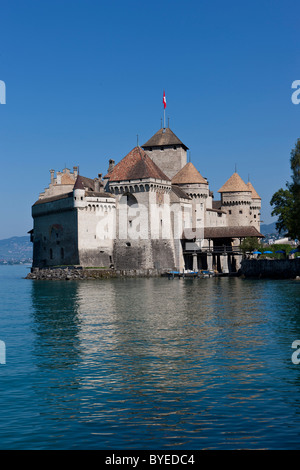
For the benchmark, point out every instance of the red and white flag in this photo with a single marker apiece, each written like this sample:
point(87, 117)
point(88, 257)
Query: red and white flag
point(164, 100)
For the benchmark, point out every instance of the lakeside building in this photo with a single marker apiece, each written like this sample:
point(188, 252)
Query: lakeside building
point(152, 211)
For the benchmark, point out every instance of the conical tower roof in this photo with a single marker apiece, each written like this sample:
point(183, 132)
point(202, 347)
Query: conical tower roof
point(253, 191)
point(84, 183)
point(164, 137)
point(188, 175)
point(136, 165)
point(234, 184)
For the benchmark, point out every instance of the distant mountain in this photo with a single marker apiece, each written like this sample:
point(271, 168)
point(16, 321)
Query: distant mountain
point(15, 249)
point(267, 229)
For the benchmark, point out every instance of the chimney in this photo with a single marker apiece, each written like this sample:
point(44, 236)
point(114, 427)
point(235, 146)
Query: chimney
point(100, 180)
point(111, 166)
point(98, 183)
point(75, 171)
point(52, 176)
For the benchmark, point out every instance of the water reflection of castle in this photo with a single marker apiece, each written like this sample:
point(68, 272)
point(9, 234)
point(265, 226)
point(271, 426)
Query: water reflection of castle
point(152, 211)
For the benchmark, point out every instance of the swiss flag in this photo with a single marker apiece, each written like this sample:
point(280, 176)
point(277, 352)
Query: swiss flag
point(164, 100)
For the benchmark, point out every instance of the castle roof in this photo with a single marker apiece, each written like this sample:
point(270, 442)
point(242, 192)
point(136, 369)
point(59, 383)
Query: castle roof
point(232, 232)
point(234, 184)
point(58, 197)
point(89, 186)
point(136, 165)
point(188, 175)
point(84, 183)
point(179, 192)
point(164, 137)
point(253, 191)
point(225, 232)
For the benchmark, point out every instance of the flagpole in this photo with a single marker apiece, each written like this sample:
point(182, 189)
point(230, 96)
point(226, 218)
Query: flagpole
point(164, 104)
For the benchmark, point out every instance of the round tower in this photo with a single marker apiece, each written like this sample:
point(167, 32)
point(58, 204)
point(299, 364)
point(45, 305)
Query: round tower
point(255, 207)
point(196, 187)
point(236, 200)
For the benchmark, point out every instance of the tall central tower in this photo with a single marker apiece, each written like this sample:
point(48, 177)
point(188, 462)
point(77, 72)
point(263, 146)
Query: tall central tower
point(167, 151)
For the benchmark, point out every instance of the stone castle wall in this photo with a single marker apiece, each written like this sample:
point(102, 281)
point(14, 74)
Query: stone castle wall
point(237, 205)
point(55, 240)
point(170, 159)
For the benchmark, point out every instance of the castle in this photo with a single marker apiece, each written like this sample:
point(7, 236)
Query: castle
point(152, 212)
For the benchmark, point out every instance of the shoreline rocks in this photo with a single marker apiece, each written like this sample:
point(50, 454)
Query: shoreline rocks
point(78, 273)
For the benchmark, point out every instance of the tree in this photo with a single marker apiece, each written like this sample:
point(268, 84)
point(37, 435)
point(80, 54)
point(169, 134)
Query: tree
point(250, 244)
point(283, 202)
point(286, 202)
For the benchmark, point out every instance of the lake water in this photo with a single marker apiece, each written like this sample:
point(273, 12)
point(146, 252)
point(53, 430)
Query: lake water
point(149, 363)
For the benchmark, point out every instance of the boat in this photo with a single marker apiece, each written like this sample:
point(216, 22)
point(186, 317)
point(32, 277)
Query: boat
point(190, 274)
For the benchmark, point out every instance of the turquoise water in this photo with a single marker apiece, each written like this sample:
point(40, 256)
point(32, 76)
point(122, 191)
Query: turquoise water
point(149, 364)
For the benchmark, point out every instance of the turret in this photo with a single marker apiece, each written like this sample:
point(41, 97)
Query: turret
point(236, 200)
point(196, 187)
point(255, 207)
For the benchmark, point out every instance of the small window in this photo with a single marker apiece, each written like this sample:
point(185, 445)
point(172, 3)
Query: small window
point(254, 216)
point(241, 212)
point(51, 253)
point(229, 212)
point(128, 244)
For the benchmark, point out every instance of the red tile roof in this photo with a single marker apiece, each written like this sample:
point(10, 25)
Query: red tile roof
point(188, 175)
point(136, 165)
point(234, 184)
point(253, 191)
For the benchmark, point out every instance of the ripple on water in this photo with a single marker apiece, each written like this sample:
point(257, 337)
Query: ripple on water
point(149, 363)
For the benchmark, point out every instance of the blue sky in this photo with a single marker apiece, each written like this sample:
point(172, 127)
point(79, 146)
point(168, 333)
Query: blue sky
point(84, 77)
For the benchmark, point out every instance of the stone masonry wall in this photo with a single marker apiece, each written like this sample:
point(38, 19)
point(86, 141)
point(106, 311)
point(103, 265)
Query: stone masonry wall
point(55, 234)
point(263, 268)
point(169, 160)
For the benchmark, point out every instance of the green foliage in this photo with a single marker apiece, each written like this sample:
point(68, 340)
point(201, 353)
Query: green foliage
point(274, 248)
point(281, 246)
point(250, 244)
point(283, 202)
point(286, 202)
